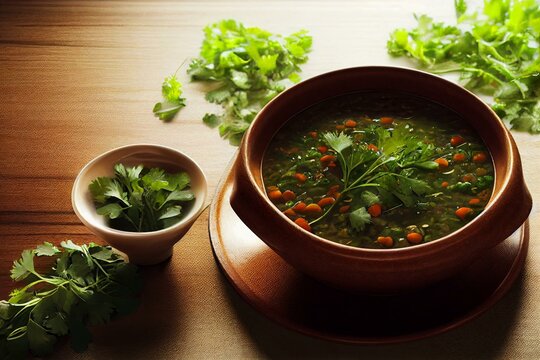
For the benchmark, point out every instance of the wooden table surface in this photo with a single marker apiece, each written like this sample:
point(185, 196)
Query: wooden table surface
point(79, 78)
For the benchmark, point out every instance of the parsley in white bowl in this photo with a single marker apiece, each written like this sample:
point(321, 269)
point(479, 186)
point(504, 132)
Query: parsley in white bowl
point(140, 198)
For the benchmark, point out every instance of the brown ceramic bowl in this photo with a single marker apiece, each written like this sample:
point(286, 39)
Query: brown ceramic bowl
point(387, 270)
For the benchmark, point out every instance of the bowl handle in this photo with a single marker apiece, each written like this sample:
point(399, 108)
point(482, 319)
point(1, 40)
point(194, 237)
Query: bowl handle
point(250, 207)
point(512, 210)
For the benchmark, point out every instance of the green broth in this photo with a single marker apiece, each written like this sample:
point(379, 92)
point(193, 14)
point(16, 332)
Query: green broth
point(423, 163)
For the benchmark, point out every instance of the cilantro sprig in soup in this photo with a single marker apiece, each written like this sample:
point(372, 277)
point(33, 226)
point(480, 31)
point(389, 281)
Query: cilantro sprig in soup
point(378, 170)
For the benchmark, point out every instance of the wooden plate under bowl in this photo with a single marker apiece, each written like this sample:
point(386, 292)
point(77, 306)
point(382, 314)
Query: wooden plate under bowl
point(300, 303)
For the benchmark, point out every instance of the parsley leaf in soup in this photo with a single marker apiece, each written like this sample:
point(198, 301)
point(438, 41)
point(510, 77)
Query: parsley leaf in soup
point(389, 170)
point(83, 285)
point(248, 66)
point(359, 218)
point(494, 50)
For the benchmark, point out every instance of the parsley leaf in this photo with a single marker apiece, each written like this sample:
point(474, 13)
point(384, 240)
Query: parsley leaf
point(389, 170)
point(359, 218)
point(87, 284)
point(171, 89)
point(141, 199)
point(250, 66)
point(494, 49)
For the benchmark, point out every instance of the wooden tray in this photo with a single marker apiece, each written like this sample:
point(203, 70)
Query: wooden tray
point(300, 303)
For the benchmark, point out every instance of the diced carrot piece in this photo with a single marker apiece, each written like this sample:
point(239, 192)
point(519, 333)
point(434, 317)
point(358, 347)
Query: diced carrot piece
point(414, 237)
point(344, 209)
point(372, 147)
point(350, 123)
point(474, 201)
point(288, 195)
point(385, 241)
point(479, 158)
point(300, 177)
point(336, 195)
point(313, 209)
point(442, 162)
point(299, 206)
point(303, 223)
point(313, 134)
point(326, 201)
point(272, 188)
point(275, 195)
point(375, 210)
point(333, 189)
point(387, 120)
point(456, 140)
point(340, 127)
point(463, 212)
point(290, 213)
point(459, 157)
point(322, 149)
point(327, 158)
point(468, 178)
point(444, 184)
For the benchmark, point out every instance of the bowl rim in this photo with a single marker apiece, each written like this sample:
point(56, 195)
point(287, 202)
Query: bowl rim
point(195, 212)
point(409, 251)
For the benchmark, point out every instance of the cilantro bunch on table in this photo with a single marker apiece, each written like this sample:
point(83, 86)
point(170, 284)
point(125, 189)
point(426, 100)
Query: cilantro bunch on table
point(86, 285)
point(141, 199)
point(249, 67)
point(495, 50)
point(171, 89)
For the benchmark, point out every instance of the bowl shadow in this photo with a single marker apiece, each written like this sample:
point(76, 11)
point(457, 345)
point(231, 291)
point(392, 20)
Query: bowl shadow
point(481, 338)
point(125, 337)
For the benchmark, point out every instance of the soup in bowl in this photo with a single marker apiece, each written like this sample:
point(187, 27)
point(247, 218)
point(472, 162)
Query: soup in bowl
point(378, 170)
point(379, 179)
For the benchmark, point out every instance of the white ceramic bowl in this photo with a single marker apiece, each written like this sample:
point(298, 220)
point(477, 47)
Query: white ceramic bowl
point(144, 248)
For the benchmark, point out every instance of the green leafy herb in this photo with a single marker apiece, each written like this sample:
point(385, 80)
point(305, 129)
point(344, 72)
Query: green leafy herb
point(390, 170)
point(86, 285)
point(140, 199)
point(495, 51)
point(171, 89)
point(250, 66)
point(359, 218)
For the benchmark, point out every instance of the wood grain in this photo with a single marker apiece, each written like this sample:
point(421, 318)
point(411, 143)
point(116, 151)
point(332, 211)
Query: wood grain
point(78, 78)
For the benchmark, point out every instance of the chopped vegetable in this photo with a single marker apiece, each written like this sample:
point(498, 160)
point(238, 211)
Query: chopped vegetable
point(375, 210)
point(313, 209)
point(460, 157)
point(479, 158)
point(326, 201)
point(85, 285)
point(350, 123)
point(443, 163)
point(288, 195)
point(494, 49)
point(250, 66)
point(303, 223)
point(300, 177)
point(385, 241)
point(275, 195)
point(463, 212)
point(171, 89)
point(140, 199)
point(414, 238)
point(456, 140)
